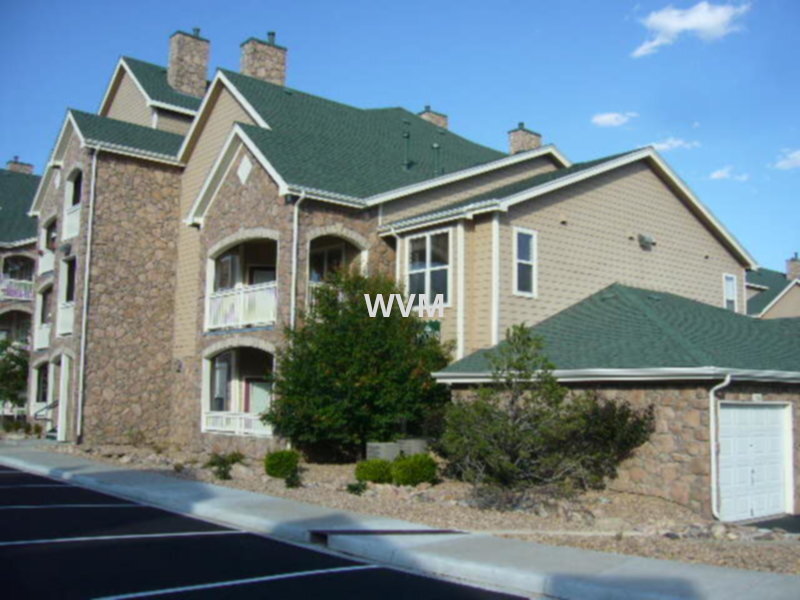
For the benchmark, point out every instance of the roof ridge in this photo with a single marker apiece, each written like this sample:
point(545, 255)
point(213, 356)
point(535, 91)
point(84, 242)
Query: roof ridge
point(627, 292)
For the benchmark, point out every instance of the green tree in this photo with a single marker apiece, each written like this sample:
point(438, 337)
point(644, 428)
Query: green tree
point(346, 378)
point(13, 373)
point(527, 430)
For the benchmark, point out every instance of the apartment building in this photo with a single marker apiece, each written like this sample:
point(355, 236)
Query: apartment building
point(185, 225)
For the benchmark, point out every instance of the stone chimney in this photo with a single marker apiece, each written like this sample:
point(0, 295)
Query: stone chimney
point(521, 139)
point(264, 59)
point(19, 167)
point(188, 62)
point(436, 118)
point(793, 268)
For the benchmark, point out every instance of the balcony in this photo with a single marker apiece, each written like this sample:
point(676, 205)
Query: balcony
point(15, 289)
point(46, 262)
point(65, 318)
point(72, 222)
point(235, 424)
point(41, 336)
point(243, 306)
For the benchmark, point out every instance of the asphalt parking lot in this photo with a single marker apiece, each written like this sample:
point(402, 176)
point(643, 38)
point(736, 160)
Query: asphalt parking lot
point(62, 541)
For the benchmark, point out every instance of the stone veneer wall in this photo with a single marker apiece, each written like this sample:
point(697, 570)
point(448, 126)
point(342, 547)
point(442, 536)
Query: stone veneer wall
point(237, 209)
point(675, 462)
point(129, 361)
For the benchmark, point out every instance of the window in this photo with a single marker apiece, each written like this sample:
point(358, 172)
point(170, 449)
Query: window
point(227, 271)
point(77, 187)
point(69, 280)
point(50, 236)
point(221, 382)
point(429, 266)
point(324, 262)
point(729, 287)
point(41, 384)
point(525, 276)
point(46, 308)
point(18, 267)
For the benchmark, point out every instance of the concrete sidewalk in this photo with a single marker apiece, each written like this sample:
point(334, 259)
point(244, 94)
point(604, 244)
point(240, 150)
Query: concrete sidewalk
point(514, 566)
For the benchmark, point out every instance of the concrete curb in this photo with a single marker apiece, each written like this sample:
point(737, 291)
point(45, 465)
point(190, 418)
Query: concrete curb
point(507, 565)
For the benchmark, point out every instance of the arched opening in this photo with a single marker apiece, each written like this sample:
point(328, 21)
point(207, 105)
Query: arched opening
point(15, 326)
point(237, 391)
point(242, 285)
point(48, 240)
point(43, 318)
point(16, 281)
point(328, 254)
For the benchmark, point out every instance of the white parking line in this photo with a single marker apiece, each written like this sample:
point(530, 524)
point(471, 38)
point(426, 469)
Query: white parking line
point(100, 538)
point(42, 506)
point(210, 586)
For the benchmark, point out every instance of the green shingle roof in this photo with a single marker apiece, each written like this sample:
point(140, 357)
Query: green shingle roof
point(124, 135)
point(774, 281)
point(153, 78)
point(622, 327)
point(324, 145)
point(519, 186)
point(16, 194)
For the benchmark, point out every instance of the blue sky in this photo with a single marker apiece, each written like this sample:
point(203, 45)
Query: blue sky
point(715, 85)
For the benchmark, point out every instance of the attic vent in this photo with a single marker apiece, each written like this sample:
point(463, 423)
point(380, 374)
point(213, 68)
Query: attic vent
point(646, 242)
point(245, 166)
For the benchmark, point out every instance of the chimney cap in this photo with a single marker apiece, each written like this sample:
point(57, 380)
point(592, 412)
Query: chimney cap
point(270, 41)
point(521, 127)
point(194, 35)
point(429, 111)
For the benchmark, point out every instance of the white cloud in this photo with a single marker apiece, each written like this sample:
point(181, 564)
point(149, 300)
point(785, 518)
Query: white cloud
point(696, 124)
point(707, 21)
point(789, 160)
point(613, 119)
point(726, 172)
point(672, 143)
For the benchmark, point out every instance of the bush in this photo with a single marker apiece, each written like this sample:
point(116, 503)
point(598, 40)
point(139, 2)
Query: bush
point(293, 480)
point(346, 377)
point(221, 464)
point(527, 431)
point(376, 470)
point(357, 488)
point(413, 470)
point(281, 464)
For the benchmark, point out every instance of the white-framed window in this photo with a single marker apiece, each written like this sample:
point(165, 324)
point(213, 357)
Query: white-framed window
point(525, 275)
point(429, 266)
point(729, 295)
point(73, 195)
point(221, 375)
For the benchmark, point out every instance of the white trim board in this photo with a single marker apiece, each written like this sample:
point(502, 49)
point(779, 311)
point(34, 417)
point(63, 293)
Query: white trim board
point(654, 374)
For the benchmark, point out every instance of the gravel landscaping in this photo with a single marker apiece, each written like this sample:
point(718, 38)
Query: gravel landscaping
point(607, 520)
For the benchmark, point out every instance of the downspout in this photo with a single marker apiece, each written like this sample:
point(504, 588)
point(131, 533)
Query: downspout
point(295, 250)
point(85, 308)
point(712, 423)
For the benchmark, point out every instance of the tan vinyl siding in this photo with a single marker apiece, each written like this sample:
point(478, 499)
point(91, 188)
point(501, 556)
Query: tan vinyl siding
point(594, 248)
point(454, 192)
point(787, 306)
point(129, 104)
point(479, 284)
point(173, 122)
point(225, 111)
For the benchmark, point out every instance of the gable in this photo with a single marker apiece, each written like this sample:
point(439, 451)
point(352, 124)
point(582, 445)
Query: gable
point(127, 102)
point(785, 304)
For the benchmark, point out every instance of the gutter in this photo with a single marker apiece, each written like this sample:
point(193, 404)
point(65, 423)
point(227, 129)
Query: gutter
point(85, 307)
point(295, 250)
point(713, 446)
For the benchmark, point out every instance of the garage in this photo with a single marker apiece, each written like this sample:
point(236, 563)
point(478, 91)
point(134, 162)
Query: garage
point(755, 465)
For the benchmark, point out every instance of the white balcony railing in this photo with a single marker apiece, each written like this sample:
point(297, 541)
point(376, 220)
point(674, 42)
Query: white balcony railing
point(246, 305)
point(235, 423)
point(66, 318)
point(15, 289)
point(41, 336)
point(46, 262)
point(72, 222)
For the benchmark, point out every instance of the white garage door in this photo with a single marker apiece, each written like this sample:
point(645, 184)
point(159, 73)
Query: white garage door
point(754, 452)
